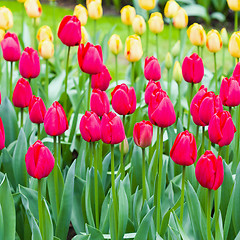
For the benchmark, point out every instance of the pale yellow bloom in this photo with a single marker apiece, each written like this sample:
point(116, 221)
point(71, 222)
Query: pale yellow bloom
point(84, 35)
point(46, 49)
point(95, 10)
point(147, 4)
point(44, 33)
point(2, 34)
point(224, 36)
point(128, 13)
point(196, 34)
point(115, 44)
point(181, 19)
point(214, 41)
point(139, 25)
point(33, 8)
point(156, 23)
point(171, 9)
point(234, 5)
point(81, 13)
point(6, 18)
point(234, 45)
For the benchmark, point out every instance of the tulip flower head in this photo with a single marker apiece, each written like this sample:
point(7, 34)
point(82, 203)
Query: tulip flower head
point(196, 34)
point(184, 149)
point(33, 8)
point(6, 18)
point(128, 13)
point(214, 41)
point(139, 25)
point(95, 10)
point(46, 49)
point(209, 171)
point(152, 69)
point(177, 72)
point(39, 160)
point(115, 44)
point(84, 34)
point(152, 85)
point(156, 23)
point(147, 4)
point(2, 135)
point(81, 13)
point(234, 45)
point(234, 5)
point(181, 19)
point(44, 33)
point(224, 35)
point(2, 34)
point(171, 9)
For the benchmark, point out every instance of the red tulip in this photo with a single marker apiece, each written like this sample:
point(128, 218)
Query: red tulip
point(69, 31)
point(2, 135)
point(152, 85)
point(236, 71)
point(22, 94)
point(37, 110)
point(124, 99)
point(142, 134)
point(112, 130)
point(39, 160)
point(101, 80)
point(184, 149)
point(55, 120)
point(90, 127)
point(193, 69)
point(209, 171)
point(29, 64)
point(221, 128)
point(230, 92)
point(90, 58)
point(99, 102)
point(160, 109)
point(152, 70)
point(11, 47)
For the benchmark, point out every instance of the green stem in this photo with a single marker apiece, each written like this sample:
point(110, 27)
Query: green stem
point(90, 152)
point(228, 146)
point(116, 69)
point(22, 112)
point(169, 82)
point(190, 99)
point(132, 75)
point(198, 50)
point(236, 156)
point(11, 76)
point(147, 34)
point(197, 133)
point(179, 101)
point(100, 157)
point(157, 45)
point(95, 31)
point(209, 215)
point(182, 195)
point(89, 92)
point(122, 170)
point(155, 164)
point(23, 10)
point(39, 131)
point(216, 213)
point(202, 146)
point(236, 21)
point(143, 175)
point(59, 150)
point(40, 210)
point(129, 30)
point(223, 59)
point(209, 144)
point(35, 33)
point(96, 185)
point(159, 186)
point(215, 74)
point(115, 204)
point(170, 35)
point(46, 82)
point(66, 80)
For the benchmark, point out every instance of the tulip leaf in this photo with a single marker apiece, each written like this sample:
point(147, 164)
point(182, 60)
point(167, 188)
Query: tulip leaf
point(197, 11)
point(94, 233)
point(8, 214)
point(66, 204)
point(81, 237)
point(47, 222)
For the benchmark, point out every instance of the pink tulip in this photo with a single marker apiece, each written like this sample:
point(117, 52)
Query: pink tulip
point(2, 135)
point(37, 110)
point(152, 70)
point(152, 85)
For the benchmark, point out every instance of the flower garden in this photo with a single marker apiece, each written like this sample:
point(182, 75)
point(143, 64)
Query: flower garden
point(119, 127)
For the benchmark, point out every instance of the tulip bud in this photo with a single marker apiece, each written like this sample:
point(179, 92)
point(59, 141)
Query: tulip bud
point(176, 49)
point(177, 72)
point(99, 102)
point(95, 10)
point(184, 149)
point(33, 8)
point(193, 69)
point(22, 94)
point(29, 64)
point(115, 44)
point(147, 4)
point(209, 171)
point(44, 33)
point(152, 85)
point(124, 99)
point(37, 110)
point(69, 31)
point(221, 128)
point(142, 134)
point(224, 36)
point(101, 80)
point(55, 120)
point(152, 69)
point(112, 130)
point(125, 146)
point(39, 160)
point(196, 34)
point(90, 58)
point(234, 45)
point(133, 48)
point(171, 9)
point(2, 135)
point(234, 5)
point(139, 25)
point(81, 13)
point(6, 18)
point(156, 23)
point(46, 49)
point(2, 34)
point(168, 61)
point(89, 1)
point(214, 41)
point(160, 109)
point(128, 13)
point(84, 34)
point(90, 127)
point(181, 19)
point(11, 47)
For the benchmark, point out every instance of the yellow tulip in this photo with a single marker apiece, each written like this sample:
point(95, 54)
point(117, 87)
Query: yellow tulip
point(2, 34)
point(234, 5)
point(81, 13)
point(181, 19)
point(196, 34)
point(33, 8)
point(6, 18)
point(115, 44)
point(21, 1)
point(44, 33)
point(234, 45)
point(171, 9)
point(224, 36)
point(214, 41)
point(156, 23)
point(133, 48)
point(147, 4)
point(139, 25)
point(128, 13)
point(89, 1)
point(84, 35)
point(95, 10)
point(46, 49)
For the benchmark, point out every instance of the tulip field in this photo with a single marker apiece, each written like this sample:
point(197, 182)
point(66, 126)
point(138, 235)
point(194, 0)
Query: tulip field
point(123, 125)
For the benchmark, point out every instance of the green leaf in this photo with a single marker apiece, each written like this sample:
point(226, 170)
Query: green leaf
point(81, 237)
point(94, 233)
point(195, 10)
point(47, 222)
